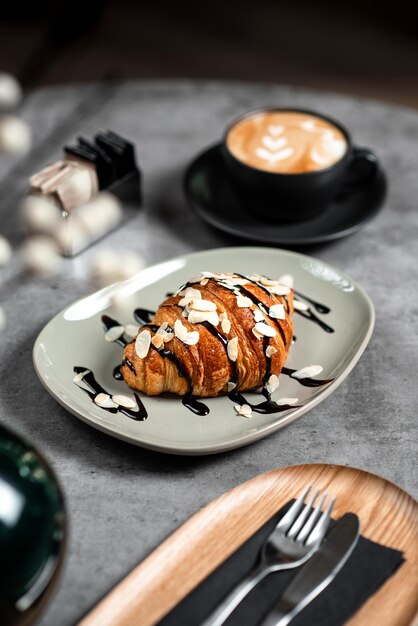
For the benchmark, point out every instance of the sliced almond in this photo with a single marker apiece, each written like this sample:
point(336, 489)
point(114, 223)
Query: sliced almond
point(267, 282)
point(279, 290)
point(308, 372)
point(265, 329)
point(287, 280)
point(180, 330)
point(256, 333)
point(162, 328)
point(258, 316)
point(237, 280)
point(114, 333)
point(202, 305)
point(226, 325)
point(167, 337)
point(105, 401)
point(197, 317)
point(243, 302)
point(224, 276)
point(277, 312)
point(298, 305)
point(191, 292)
point(213, 318)
point(125, 401)
point(192, 338)
point(142, 344)
point(244, 410)
point(131, 330)
point(272, 383)
point(231, 386)
point(284, 401)
point(204, 282)
point(232, 349)
point(270, 350)
point(79, 377)
point(208, 274)
point(157, 341)
point(228, 285)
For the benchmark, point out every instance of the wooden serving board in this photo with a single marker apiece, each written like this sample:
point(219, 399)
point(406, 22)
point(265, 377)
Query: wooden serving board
point(388, 515)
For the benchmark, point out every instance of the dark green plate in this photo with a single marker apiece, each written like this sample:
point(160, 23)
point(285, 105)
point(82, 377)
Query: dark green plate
point(32, 530)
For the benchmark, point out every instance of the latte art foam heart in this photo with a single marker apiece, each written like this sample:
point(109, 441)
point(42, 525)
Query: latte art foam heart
point(286, 142)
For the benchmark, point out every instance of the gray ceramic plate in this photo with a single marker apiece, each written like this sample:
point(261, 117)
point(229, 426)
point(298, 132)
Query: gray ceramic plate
point(75, 337)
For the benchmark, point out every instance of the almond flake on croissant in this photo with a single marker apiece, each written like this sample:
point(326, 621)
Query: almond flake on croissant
point(218, 329)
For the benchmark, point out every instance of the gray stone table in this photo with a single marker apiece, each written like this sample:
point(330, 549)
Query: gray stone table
point(122, 500)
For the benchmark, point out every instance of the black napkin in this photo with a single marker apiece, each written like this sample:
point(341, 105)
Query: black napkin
point(369, 566)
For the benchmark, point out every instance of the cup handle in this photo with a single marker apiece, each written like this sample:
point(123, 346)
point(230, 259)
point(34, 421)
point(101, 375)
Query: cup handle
point(363, 167)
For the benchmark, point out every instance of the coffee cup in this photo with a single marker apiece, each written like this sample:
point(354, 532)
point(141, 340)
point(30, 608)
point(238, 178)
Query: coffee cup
point(290, 164)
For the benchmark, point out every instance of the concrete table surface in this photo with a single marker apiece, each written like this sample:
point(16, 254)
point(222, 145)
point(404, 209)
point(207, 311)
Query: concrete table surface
point(122, 500)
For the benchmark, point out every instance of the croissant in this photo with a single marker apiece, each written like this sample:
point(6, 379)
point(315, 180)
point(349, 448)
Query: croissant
point(218, 332)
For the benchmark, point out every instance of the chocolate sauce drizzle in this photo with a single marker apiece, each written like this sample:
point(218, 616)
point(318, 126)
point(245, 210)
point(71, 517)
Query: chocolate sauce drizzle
point(310, 315)
point(188, 399)
point(144, 318)
point(306, 382)
point(267, 407)
point(224, 340)
point(109, 323)
point(117, 374)
point(94, 388)
point(321, 308)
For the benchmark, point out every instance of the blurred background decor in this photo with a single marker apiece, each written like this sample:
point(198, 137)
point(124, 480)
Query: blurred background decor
point(350, 47)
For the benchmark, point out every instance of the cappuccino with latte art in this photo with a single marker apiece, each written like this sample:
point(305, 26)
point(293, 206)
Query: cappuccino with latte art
point(288, 165)
point(286, 142)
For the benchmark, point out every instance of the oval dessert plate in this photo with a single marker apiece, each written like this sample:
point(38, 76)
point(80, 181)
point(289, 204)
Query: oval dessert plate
point(332, 331)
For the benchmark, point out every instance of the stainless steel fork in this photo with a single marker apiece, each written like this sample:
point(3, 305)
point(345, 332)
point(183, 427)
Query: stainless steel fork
point(295, 538)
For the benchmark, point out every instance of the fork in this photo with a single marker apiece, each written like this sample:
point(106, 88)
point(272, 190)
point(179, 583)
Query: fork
point(294, 539)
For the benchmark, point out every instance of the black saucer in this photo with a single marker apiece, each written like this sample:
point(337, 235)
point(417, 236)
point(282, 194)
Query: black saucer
point(212, 196)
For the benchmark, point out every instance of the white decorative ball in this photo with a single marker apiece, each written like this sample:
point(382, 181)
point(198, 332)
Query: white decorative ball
point(41, 256)
point(15, 135)
point(130, 263)
point(104, 266)
point(5, 251)
point(10, 91)
point(40, 215)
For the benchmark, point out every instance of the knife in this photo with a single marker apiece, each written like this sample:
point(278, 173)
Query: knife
point(318, 572)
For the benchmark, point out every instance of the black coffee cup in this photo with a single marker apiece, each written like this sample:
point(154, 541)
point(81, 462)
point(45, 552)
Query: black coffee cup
point(290, 197)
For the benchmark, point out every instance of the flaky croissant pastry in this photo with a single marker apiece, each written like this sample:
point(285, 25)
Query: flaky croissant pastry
point(218, 332)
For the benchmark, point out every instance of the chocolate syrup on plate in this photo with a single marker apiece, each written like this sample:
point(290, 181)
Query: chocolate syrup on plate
point(306, 382)
point(310, 315)
point(109, 323)
point(321, 308)
point(144, 317)
point(117, 374)
point(94, 388)
point(266, 407)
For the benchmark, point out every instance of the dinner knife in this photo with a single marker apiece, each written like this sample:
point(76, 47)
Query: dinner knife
point(318, 572)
